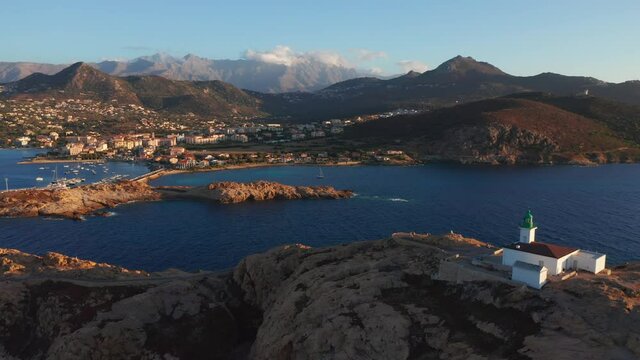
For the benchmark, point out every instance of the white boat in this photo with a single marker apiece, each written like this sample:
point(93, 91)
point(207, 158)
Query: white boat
point(41, 168)
point(39, 179)
point(320, 174)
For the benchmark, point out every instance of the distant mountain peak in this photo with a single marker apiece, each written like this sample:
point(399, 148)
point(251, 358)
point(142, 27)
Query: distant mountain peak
point(78, 66)
point(78, 70)
point(462, 65)
point(78, 80)
point(191, 56)
point(159, 57)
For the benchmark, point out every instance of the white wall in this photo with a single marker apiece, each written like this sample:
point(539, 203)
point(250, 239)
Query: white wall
point(589, 261)
point(510, 256)
point(555, 266)
point(527, 235)
point(565, 263)
point(532, 278)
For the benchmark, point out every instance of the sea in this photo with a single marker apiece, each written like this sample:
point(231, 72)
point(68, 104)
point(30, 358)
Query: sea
point(593, 208)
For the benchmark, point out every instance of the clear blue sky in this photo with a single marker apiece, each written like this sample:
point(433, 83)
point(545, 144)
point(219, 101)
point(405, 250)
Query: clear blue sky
point(575, 37)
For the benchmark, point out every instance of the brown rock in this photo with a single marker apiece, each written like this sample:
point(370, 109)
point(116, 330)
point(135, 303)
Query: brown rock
point(75, 202)
point(234, 192)
point(365, 300)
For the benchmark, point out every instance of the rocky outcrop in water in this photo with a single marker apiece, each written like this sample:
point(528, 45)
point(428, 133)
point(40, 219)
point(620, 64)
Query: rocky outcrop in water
point(228, 192)
point(75, 202)
point(368, 300)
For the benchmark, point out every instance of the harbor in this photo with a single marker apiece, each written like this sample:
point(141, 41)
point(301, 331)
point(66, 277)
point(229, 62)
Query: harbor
point(39, 175)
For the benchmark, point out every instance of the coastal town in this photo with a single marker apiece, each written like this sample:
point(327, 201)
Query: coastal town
point(176, 141)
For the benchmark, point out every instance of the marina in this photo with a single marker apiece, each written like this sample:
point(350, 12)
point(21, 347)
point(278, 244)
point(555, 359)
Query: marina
point(29, 175)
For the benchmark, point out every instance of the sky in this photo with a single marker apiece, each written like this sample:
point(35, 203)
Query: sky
point(572, 37)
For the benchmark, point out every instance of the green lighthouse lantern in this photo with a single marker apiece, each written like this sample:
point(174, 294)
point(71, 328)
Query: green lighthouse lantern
point(527, 229)
point(527, 221)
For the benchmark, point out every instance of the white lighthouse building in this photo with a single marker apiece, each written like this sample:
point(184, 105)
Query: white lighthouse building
point(532, 261)
point(527, 229)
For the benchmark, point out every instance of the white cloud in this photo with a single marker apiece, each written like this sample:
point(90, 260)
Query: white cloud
point(284, 55)
point(364, 55)
point(366, 61)
point(374, 71)
point(412, 65)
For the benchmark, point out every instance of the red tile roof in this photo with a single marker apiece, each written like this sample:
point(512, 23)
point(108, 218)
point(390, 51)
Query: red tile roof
point(548, 250)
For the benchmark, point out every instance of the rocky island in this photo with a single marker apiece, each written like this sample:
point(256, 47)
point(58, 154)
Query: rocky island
point(77, 202)
point(384, 299)
point(229, 192)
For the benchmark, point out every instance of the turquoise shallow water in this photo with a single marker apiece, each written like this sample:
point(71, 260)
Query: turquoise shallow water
point(596, 208)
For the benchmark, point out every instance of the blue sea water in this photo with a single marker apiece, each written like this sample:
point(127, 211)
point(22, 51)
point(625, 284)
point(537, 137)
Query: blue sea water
point(596, 208)
point(24, 175)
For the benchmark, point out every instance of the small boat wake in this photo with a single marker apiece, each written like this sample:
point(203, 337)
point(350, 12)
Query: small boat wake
point(380, 198)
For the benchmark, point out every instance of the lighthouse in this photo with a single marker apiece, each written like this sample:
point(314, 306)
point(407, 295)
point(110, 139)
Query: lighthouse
point(532, 261)
point(527, 229)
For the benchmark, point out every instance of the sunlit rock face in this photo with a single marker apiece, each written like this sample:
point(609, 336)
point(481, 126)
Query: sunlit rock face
point(367, 300)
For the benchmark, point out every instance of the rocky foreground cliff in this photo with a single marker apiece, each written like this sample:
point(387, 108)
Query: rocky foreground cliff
point(367, 300)
point(77, 202)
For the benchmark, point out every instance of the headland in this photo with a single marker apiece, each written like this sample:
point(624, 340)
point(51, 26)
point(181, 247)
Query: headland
point(383, 299)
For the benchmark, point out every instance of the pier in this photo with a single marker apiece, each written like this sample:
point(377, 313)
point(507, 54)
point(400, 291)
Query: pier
point(150, 175)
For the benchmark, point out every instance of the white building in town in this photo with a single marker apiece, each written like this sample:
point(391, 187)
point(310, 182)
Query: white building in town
point(532, 261)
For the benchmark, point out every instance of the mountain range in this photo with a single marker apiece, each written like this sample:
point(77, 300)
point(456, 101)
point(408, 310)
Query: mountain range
point(473, 111)
point(304, 75)
point(457, 81)
point(82, 81)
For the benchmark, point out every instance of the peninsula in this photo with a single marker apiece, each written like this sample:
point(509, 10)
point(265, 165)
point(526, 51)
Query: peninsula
point(77, 202)
point(407, 296)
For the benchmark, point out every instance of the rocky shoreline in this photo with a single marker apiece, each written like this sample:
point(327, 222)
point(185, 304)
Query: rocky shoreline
point(228, 192)
point(381, 299)
point(75, 203)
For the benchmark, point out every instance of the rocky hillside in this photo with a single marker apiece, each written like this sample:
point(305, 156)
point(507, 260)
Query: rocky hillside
point(81, 81)
point(530, 128)
point(205, 98)
point(76, 81)
point(368, 300)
